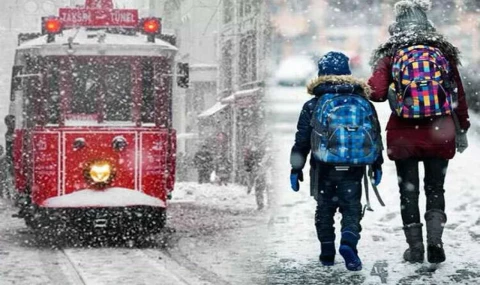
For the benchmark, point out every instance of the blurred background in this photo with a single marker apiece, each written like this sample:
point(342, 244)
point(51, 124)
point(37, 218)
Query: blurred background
point(308, 29)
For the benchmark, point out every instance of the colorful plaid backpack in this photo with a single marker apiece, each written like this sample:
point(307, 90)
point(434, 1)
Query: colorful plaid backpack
point(345, 130)
point(421, 83)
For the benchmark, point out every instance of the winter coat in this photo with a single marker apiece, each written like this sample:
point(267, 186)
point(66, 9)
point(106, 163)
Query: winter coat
point(252, 159)
point(418, 138)
point(258, 161)
point(343, 84)
point(203, 160)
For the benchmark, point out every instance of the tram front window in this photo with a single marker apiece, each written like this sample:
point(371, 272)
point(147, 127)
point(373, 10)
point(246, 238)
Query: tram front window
point(102, 89)
point(86, 89)
point(118, 95)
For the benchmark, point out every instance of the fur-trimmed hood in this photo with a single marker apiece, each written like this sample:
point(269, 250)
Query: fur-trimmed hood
point(338, 84)
point(416, 37)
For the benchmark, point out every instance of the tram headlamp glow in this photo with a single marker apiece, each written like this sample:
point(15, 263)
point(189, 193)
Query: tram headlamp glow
point(152, 26)
point(101, 172)
point(51, 25)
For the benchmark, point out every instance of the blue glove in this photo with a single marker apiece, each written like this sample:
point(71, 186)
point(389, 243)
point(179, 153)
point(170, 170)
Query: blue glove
point(295, 176)
point(377, 176)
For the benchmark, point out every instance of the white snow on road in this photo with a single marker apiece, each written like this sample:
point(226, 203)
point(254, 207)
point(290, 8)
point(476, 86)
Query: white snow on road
point(228, 197)
point(22, 262)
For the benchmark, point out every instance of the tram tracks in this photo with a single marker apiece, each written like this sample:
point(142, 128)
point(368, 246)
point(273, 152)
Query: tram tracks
point(86, 266)
point(59, 268)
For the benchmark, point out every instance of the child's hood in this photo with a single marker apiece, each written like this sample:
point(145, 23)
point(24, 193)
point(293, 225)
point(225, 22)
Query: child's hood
point(338, 84)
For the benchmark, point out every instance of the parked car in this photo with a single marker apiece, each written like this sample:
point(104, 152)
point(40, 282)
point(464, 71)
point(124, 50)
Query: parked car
point(295, 71)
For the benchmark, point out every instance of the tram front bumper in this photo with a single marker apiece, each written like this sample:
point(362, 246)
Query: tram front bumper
point(139, 219)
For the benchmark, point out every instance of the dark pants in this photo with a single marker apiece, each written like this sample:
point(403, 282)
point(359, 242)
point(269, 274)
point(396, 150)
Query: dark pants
point(408, 180)
point(342, 190)
point(260, 189)
point(203, 175)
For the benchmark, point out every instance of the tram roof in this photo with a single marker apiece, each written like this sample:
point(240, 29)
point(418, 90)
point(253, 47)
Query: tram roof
point(90, 42)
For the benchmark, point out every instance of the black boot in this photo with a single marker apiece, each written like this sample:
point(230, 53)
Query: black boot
point(435, 220)
point(415, 251)
point(327, 254)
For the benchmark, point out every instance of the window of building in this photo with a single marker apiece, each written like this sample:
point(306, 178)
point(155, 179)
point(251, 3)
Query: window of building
point(249, 8)
point(248, 58)
point(228, 9)
point(227, 63)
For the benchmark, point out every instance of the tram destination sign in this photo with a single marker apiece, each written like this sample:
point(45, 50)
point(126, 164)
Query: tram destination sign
point(98, 18)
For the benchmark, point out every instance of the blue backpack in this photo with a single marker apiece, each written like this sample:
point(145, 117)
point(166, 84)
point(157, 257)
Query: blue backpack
point(345, 130)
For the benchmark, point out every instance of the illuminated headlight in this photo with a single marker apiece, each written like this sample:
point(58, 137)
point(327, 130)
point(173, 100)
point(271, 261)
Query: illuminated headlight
point(100, 172)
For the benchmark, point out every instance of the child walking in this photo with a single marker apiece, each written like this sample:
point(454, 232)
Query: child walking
point(340, 129)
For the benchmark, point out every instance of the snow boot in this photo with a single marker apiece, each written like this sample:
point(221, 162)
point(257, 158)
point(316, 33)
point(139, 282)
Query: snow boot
point(327, 254)
point(415, 251)
point(348, 250)
point(435, 220)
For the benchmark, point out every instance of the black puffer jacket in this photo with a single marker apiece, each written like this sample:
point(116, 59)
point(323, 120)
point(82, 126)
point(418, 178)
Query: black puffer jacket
point(343, 84)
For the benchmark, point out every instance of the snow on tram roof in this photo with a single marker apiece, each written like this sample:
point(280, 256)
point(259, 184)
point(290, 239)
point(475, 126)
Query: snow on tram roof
point(83, 38)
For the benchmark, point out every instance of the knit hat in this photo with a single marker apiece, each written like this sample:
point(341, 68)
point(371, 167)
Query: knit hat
point(333, 63)
point(411, 14)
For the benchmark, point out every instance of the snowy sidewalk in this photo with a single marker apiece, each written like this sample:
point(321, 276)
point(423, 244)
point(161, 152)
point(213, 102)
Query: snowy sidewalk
point(294, 249)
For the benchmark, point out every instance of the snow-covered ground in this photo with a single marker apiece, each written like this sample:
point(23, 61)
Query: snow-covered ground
point(292, 244)
point(201, 246)
point(233, 197)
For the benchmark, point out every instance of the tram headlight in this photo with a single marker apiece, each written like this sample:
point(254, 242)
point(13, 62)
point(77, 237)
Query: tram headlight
point(100, 172)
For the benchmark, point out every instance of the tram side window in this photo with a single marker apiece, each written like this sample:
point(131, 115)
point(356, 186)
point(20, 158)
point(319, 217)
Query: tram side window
point(53, 96)
point(87, 87)
point(118, 97)
point(148, 98)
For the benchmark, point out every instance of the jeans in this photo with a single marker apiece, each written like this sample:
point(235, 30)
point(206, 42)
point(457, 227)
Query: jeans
point(338, 190)
point(408, 181)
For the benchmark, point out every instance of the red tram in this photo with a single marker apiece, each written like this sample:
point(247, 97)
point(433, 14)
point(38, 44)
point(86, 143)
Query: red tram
point(94, 147)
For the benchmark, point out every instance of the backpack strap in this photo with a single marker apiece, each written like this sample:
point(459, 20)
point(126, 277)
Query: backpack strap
point(397, 60)
point(375, 189)
point(367, 206)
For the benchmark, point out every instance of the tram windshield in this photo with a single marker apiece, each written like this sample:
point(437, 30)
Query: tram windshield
point(104, 90)
point(89, 91)
point(100, 92)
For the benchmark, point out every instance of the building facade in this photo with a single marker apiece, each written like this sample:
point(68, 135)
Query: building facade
point(194, 25)
point(244, 41)
point(225, 42)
